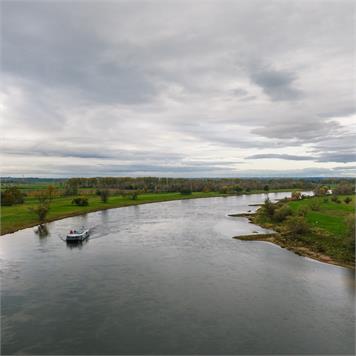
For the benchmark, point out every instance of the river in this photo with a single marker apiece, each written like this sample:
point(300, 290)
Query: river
point(167, 278)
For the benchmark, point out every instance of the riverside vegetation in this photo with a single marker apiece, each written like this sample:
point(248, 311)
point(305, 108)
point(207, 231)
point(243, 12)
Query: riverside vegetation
point(320, 227)
point(32, 201)
point(26, 203)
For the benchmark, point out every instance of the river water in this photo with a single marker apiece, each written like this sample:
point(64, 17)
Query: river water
point(168, 278)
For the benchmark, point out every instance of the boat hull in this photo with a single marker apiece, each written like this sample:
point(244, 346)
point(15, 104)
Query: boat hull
point(77, 237)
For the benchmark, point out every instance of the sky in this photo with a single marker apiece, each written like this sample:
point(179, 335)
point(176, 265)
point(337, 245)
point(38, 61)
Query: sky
point(178, 88)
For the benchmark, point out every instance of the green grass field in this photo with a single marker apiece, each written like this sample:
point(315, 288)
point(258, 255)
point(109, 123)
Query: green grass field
point(331, 215)
point(18, 216)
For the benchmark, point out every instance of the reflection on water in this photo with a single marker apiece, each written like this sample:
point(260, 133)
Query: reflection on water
point(168, 278)
point(76, 244)
point(42, 231)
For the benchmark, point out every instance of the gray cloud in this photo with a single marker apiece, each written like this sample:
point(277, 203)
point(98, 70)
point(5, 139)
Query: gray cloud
point(325, 157)
point(159, 84)
point(280, 156)
point(278, 85)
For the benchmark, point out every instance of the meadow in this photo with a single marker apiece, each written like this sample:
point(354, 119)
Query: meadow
point(19, 216)
point(327, 227)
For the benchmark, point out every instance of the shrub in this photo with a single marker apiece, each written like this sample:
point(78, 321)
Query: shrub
point(282, 213)
point(296, 195)
point(7, 198)
point(186, 191)
point(315, 205)
point(335, 199)
point(12, 196)
point(296, 225)
point(80, 201)
point(269, 208)
point(303, 210)
point(132, 194)
point(237, 188)
point(347, 200)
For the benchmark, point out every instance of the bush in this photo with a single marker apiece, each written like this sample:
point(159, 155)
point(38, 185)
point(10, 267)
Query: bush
point(133, 194)
point(7, 198)
point(303, 210)
point(269, 208)
point(335, 199)
point(315, 205)
point(186, 191)
point(296, 225)
point(347, 200)
point(80, 201)
point(12, 196)
point(296, 195)
point(282, 213)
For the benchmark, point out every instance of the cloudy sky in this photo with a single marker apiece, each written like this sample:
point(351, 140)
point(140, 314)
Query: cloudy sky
point(178, 88)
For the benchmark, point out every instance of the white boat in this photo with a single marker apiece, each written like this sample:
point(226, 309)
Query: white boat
point(78, 235)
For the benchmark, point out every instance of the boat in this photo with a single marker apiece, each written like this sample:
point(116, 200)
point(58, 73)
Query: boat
point(78, 235)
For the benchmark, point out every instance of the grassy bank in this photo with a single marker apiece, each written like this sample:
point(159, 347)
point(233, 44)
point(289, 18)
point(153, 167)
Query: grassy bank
point(316, 227)
point(18, 217)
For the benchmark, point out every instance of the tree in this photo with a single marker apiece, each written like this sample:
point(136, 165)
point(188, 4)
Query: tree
point(266, 188)
point(43, 206)
point(104, 195)
point(71, 187)
point(296, 195)
point(52, 192)
point(321, 190)
point(12, 195)
point(344, 188)
point(7, 199)
point(269, 208)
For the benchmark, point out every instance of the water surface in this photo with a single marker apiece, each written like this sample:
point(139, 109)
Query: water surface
point(168, 278)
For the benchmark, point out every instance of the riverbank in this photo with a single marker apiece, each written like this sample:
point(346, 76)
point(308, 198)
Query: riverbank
point(325, 235)
point(17, 217)
point(301, 250)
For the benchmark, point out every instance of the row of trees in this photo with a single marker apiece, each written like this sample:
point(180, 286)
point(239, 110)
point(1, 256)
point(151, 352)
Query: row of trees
point(156, 184)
